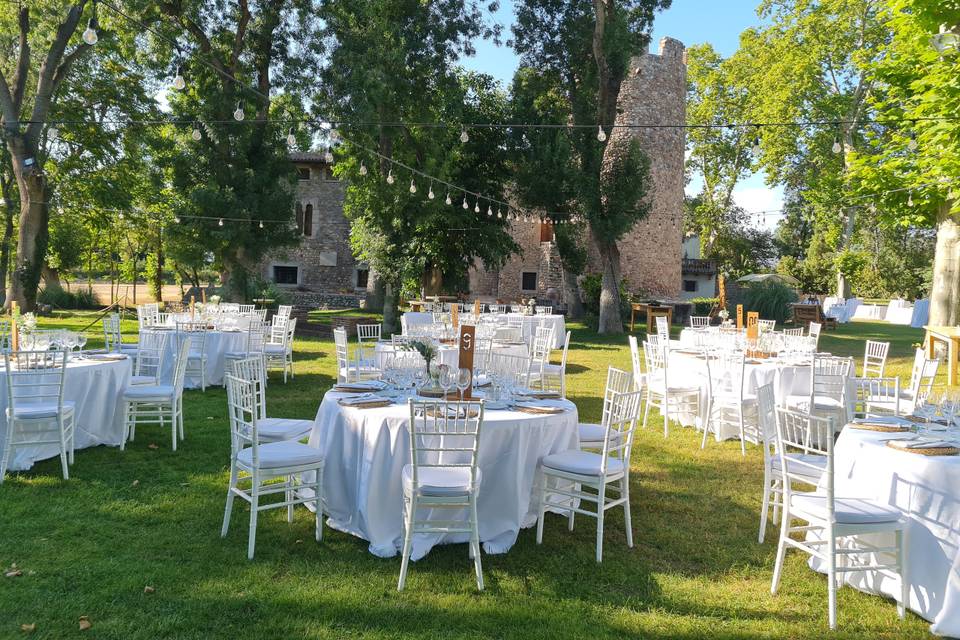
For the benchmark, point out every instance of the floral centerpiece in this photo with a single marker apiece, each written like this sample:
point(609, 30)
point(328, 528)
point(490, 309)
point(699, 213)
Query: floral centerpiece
point(28, 322)
point(425, 349)
point(724, 317)
point(214, 299)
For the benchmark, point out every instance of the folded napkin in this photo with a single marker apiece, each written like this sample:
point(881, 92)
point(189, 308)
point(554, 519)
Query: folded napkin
point(360, 387)
point(365, 402)
point(105, 356)
point(542, 410)
point(451, 412)
point(542, 395)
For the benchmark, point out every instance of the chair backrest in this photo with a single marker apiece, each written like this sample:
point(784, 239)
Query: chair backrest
point(228, 307)
point(513, 367)
point(767, 325)
point(634, 360)
point(242, 411)
point(252, 369)
point(112, 338)
point(151, 354)
point(498, 308)
point(261, 313)
point(515, 321)
point(828, 377)
point(699, 322)
point(875, 358)
point(882, 392)
point(196, 332)
point(5, 335)
point(256, 336)
point(921, 377)
point(369, 332)
point(621, 410)
point(342, 349)
point(766, 422)
point(288, 338)
point(445, 435)
point(508, 334)
point(813, 330)
point(796, 333)
point(540, 354)
point(655, 358)
point(811, 436)
point(284, 311)
point(728, 373)
point(278, 329)
point(35, 377)
point(180, 366)
point(566, 349)
point(543, 310)
point(246, 308)
point(663, 327)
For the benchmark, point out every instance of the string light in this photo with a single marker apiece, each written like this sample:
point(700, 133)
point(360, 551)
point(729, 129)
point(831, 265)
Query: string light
point(430, 193)
point(910, 199)
point(238, 114)
point(755, 150)
point(837, 148)
point(328, 156)
point(463, 135)
point(178, 82)
point(390, 178)
point(363, 168)
point(176, 219)
point(195, 134)
point(601, 136)
point(465, 205)
point(220, 222)
point(413, 186)
point(90, 33)
point(489, 211)
point(291, 138)
point(448, 200)
point(261, 224)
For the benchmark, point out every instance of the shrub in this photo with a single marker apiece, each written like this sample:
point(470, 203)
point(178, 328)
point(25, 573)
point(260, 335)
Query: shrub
point(63, 299)
point(770, 298)
point(591, 286)
point(702, 306)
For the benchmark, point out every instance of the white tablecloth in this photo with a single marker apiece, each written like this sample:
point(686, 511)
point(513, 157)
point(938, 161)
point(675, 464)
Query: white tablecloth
point(921, 313)
point(899, 312)
point(927, 490)
point(413, 319)
point(870, 312)
point(366, 450)
point(449, 355)
point(530, 324)
point(95, 386)
point(216, 345)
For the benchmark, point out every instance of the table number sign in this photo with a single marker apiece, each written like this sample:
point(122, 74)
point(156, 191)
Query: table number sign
point(467, 339)
point(753, 325)
point(193, 307)
point(476, 307)
point(739, 316)
point(455, 315)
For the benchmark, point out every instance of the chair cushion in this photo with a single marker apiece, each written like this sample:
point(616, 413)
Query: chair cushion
point(351, 371)
point(585, 463)
point(552, 369)
point(145, 392)
point(135, 380)
point(846, 510)
point(274, 348)
point(278, 429)
point(439, 481)
point(803, 470)
point(288, 453)
point(594, 433)
point(677, 384)
point(819, 402)
point(37, 410)
point(129, 348)
point(196, 355)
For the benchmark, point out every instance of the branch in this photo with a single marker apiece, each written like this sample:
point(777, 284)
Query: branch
point(23, 61)
point(174, 9)
point(241, 31)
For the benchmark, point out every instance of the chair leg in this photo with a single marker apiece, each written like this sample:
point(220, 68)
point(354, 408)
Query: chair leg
point(904, 581)
point(288, 494)
point(126, 426)
point(63, 456)
point(180, 415)
point(541, 507)
point(665, 407)
point(173, 424)
point(601, 500)
point(706, 430)
point(228, 510)
point(832, 580)
point(318, 504)
point(625, 492)
point(411, 509)
point(743, 440)
point(4, 461)
point(254, 510)
point(475, 541)
point(646, 410)
point(781, 552)
point(764, 507)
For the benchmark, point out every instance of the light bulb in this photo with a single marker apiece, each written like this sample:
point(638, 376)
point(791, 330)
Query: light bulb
point(220, 222)
point(178, 82)
point(52, 133)
point(328, 156)
point(430, 193)
point(390, 177)
point(756, 147)
point(489, 211)
point(465, 205)
point(448, 200)
point(601, 136)
point(291, 139)
point(176, 219)
point(499, 214)
point(326, 126)
point(90, 33)
point(363, 168)
point(261, 224)
point(238, 114)
point(836, 145)
point(463, 135)
point(120, 215)
point(910, 199)
point(413, 187)
point(196, 132)
point(476, 207)
point(912, 145)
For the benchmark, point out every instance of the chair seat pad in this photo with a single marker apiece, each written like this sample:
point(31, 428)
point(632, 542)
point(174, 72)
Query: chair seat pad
point(819, 402)
point(803, 465)
point(585, 463)
point(553, 369)
point(38, 410)
point(196, 355)
point(677, 384)
point(439, 481)
point(274, 348)
point(129, 348)
point(238, 355)
point(352, 370)
point(136, 380)
point(846, 510)
point(594, 433)
point(278, 429)
point(288, 453)
point(145, 392)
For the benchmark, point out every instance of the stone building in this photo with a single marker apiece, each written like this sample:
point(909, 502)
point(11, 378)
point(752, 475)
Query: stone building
point(699, 275)
point(322, 269)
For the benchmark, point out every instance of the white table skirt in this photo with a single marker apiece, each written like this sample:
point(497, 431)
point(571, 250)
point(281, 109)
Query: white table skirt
point(366, 449)
point(216, 345)
point(95, 386)
point(927, 490)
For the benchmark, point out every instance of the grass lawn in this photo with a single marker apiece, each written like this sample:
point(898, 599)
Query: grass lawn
point(151, 517)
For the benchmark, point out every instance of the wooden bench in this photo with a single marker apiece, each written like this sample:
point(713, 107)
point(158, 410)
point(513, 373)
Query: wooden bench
point(804, 314)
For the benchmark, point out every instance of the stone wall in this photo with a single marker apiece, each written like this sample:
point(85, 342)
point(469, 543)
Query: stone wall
point(317, 300)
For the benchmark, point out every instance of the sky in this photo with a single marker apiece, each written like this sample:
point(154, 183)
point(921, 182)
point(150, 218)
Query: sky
point(718, 22)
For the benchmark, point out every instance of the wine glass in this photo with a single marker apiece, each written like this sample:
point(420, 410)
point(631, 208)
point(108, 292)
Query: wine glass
point(447, 379)
point(463, 380)
point(81, 343)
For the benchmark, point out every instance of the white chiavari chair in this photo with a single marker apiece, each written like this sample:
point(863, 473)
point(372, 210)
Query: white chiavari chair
point(36, 413)
point(553, 377)
point(279, 354)
point(157, 404)
point(349, 369)
point(513, 368)
point(260, 464)
point(540, 355)
point(730, 407)
point(196, 331)
point(699, 322)
point(256, 341)
point(766, 326)
point(829, 377)
point(877, 397)
point(368, 335)
point(599, 473)
point(592, 435)
point(834, 527)
point(813, 331)
point(670, 397)
point(663, 329)
point(796, 333)
point(246, 308)
point(151, 355)
point(443, 475)
point(284, 311)
point(253, 370)
point(261, 314)
point(875, 358)
point(113, 336)
point(543, 310)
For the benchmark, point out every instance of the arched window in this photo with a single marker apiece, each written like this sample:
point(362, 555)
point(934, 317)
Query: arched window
point(299, 217)
point(308, 221)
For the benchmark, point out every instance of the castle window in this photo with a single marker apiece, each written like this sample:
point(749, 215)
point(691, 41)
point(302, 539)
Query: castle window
point(690, 286)
point(363, 277)
point(283, 274)
point(546, 231)
point(528, 281)
point(303, 173)
point(299, 217)
point(307, 228)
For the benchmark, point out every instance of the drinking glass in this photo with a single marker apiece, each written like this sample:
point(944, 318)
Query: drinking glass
point(81, 343)
point(447, 380)
point(463, 380)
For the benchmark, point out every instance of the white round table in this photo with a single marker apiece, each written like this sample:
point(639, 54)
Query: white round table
point(449, 354)
point(217, 345)
point(95, 387)
point(366, 449)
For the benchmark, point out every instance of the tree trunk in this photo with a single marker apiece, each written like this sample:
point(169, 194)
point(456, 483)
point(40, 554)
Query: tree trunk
point(945, 291)
point(51, 278)
point(157, 282)
point(610, 320)
point(390, 324)
point(432, 281)
point(7, 234)
point(31, 241)
point(571, 296)
point(374, 297)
